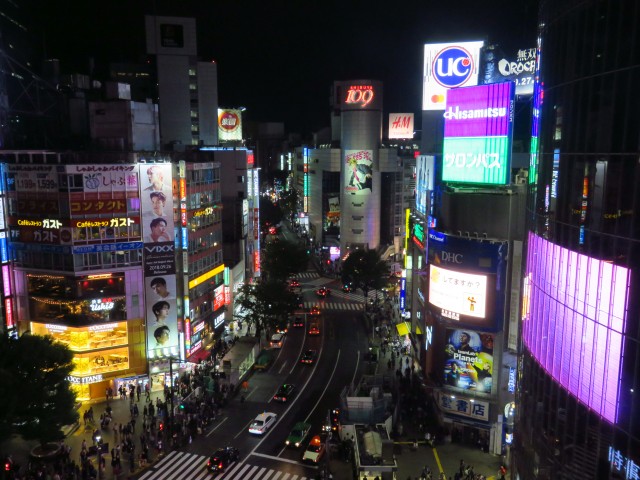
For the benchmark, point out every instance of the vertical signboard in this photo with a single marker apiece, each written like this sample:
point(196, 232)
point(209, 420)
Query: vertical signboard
point(448, 65)
point(358, 171)
point(425, 172)
point(477, 134)
point(400, 125)
point(158, 230)
point(229, 124)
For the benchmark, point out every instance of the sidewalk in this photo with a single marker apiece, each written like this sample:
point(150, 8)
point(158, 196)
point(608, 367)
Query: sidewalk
point(20, 449)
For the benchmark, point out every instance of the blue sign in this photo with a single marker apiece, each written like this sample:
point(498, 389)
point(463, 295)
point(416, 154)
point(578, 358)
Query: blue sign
point(403, 293)
point(109, 247)
point(452, 67)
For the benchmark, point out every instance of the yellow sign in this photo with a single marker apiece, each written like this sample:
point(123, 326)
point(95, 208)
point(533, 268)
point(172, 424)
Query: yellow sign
point(206, 276)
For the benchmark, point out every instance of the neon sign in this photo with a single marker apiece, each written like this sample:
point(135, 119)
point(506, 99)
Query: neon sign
point(360, 94)
point(101, 304)
point(205, 211)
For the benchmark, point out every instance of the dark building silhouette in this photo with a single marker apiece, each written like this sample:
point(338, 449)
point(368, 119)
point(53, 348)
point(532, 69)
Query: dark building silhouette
point(578, 412)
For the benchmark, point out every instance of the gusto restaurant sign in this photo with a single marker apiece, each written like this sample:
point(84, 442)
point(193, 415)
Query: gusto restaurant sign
point(361, 95)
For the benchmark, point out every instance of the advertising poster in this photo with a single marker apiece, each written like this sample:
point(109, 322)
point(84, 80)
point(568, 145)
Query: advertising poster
point(156, 205)
point(358, 171)
point(103, 179)
point(520, 68)
point(333, 213)
point(469, 360)
point(425, 174)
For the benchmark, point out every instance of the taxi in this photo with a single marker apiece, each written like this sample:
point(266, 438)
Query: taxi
point(315, 450)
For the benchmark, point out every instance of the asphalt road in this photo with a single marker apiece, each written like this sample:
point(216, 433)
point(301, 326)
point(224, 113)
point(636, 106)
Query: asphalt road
point(340, 346)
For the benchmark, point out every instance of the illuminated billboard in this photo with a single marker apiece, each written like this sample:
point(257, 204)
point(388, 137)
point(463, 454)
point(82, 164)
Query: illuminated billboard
point(425, 173)
point(496, 67)
point(156, 208)
point(457, 293)
point(469, 360)
point(477, 134)
point(487, 259)
point(401, 125)
point(448, 65)
point(358, 171)
point(229, 124)
point(574, 319)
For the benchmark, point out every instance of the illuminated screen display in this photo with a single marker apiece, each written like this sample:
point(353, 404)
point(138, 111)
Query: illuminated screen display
point(477, 134)
point(574, 315)
point(469, 360)
point(457, 292)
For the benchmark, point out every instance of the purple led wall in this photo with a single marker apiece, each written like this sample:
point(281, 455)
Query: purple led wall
point(574, 311)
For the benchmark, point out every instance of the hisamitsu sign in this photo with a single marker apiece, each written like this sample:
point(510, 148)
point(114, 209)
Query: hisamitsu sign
point(477, 134)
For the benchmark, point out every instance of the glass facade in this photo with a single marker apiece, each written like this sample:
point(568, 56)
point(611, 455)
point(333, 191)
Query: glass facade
point(578, 414)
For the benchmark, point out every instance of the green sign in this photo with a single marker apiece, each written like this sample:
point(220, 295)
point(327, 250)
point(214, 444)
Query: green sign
point(476, 160)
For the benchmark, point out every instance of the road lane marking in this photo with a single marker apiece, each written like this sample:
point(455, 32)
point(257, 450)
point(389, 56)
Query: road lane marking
point(304, 339)
point(292, 403)
point(278, 459)
point(216, 427)
point(435, 454)
point(282, 367)
point(325, 388)
point(246, 427)
point(355, 371)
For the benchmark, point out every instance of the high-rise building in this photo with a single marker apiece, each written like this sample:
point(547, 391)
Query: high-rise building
point(578, 409)
point(118, 256)
point(187, 87)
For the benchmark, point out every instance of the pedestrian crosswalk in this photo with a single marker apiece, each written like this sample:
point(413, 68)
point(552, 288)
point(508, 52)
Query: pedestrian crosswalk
point(324, 305)
point(181, 465)
point(305, 275)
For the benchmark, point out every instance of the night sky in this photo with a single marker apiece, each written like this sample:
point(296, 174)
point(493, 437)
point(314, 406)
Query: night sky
point(279, 58)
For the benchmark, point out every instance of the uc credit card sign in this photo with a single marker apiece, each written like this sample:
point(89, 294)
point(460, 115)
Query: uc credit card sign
point(477, 134)
point(448, 65)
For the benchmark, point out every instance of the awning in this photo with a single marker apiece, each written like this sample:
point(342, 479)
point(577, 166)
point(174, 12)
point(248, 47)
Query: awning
point(200, 355)
point(403, 328)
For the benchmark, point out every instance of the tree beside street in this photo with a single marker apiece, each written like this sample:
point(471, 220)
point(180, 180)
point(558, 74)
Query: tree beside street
point(265, 304)
point(365, 269)
point(36, 399)
point(283, 258)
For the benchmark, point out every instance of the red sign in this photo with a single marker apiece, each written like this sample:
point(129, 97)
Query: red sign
point(360, 95)
point(8, 312)
point(229, 121)
point(250, 159)
point(256, 262)
point(218, 300)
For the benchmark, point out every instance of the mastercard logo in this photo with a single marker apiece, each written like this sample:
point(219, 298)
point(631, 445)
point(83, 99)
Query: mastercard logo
point(437, 98)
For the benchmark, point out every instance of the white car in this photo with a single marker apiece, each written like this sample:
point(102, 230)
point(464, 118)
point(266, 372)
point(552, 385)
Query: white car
point(262, 423)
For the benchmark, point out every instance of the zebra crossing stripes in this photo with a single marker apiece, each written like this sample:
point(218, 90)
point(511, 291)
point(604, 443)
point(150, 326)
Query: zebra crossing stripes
point(181, 465)
point(324, 305)
point(307, 275)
